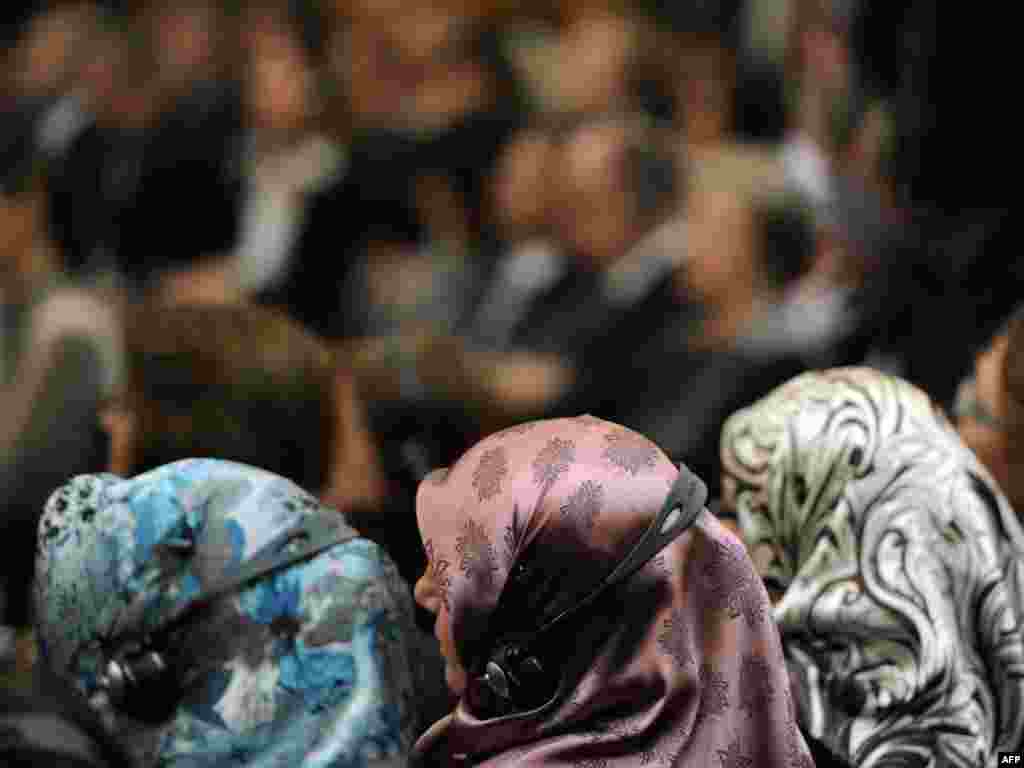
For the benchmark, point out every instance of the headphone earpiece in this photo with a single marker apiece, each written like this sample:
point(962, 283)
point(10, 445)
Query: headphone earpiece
point(142, 683)
point(515, 680)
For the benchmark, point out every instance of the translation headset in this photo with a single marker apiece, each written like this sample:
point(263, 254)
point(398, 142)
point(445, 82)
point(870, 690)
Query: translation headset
point(517, 675)
point(146, 676)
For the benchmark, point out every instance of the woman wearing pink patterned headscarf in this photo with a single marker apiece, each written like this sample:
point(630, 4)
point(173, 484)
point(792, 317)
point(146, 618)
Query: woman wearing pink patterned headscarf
point(679, 666)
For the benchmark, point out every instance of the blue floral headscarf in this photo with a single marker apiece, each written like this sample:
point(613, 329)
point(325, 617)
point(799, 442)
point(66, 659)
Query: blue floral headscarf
point(307, 666)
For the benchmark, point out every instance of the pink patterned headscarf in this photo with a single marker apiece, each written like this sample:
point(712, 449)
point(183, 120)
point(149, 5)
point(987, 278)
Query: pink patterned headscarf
point(685, 667)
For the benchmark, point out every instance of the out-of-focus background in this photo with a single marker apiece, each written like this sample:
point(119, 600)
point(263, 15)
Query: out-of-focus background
point(488, 211)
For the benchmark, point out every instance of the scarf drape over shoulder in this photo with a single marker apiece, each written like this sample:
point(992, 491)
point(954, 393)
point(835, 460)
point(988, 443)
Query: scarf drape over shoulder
point(899, 563)
point(682, 667)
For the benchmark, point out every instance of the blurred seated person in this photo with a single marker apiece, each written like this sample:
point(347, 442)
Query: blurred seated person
point(431, 282)
point(287, 158)
point(403, 236)
point(244, 384)
point(530, 261)
point(894, 562)
point(184, 212)
point(751, 243)
point(616, 189)
point(59, 358)
point(431, 90)
point(704, 338)
point(708, 38)
point(307, 662)
point(990, 408)
point(46, 66)
point(95, 177)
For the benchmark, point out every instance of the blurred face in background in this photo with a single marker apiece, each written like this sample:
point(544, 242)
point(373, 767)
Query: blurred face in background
point(186, 40)
point(363, 60)
point(417, 69)
point(705, 89)
point(446, 77)
point(592, 63)
point(822, 50)
point(520, 186)
point(281, 85)
point(594, 218)
point(46, 60)
point(720, 252)
point(116, 80)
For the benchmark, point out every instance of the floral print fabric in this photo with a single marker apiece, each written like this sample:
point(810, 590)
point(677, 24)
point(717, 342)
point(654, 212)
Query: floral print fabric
point(683, 667)
point(306, 666)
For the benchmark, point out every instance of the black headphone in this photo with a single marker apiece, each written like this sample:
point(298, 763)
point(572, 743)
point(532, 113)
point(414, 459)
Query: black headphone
point(145, 676)
point(515, 675)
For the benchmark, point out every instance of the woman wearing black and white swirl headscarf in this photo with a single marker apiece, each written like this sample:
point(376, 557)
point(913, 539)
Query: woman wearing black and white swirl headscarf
point(897, 564)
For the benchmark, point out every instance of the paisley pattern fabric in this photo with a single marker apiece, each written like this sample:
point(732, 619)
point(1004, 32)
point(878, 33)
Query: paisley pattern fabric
point(681, 668)
point(306, 666)
point(899, 563)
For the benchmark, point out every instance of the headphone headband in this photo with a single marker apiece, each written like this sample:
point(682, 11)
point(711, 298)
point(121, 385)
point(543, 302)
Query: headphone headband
point(684, 503)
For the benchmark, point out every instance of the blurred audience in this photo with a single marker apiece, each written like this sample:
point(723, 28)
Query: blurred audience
point(750, 246)
point(241, 383)
point(613, 191)
point(491, 212)
point(285, 160)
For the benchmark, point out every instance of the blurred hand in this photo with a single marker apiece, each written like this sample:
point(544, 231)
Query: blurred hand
point(356, 479)
point(213, 283)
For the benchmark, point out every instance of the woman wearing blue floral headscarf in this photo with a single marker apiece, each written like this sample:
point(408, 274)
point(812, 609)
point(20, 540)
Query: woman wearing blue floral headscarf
point(306, 665)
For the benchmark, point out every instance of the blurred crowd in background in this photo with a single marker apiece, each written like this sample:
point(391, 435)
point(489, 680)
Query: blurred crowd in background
point(345, 240)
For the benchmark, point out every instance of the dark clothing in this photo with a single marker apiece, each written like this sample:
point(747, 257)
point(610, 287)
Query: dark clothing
point(189, 191)
point(578, 318)
point(62, 439)
point(92, 188)
point(644, 374)
point(53, 727)
point(147, 200)
point(700, 391)
point(340, 222)
point(938, 297)
point(376, 202)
